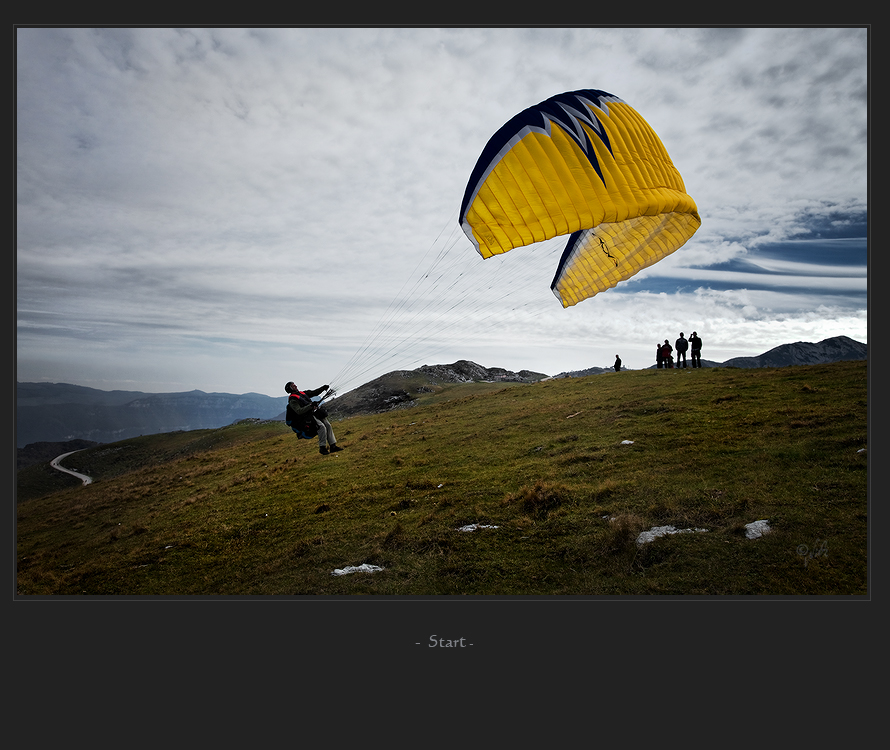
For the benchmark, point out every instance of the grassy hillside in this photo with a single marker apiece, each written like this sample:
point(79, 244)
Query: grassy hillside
point(251, 510)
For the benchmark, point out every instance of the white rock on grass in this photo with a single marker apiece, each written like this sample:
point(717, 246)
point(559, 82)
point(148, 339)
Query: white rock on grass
point(474, 526)
point(757, 529)
point(363, 568)
point(657, 531)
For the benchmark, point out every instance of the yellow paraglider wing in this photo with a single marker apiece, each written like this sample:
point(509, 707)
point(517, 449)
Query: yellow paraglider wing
point(582, 163)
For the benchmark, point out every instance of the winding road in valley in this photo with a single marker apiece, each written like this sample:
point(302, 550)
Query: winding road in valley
point(55, 464)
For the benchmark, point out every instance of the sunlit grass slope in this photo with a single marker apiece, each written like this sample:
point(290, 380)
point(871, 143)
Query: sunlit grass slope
point(251, 510)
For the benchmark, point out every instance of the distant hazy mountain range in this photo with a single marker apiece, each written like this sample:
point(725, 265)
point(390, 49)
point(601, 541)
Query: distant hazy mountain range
point(60, 412)
point(57, 412)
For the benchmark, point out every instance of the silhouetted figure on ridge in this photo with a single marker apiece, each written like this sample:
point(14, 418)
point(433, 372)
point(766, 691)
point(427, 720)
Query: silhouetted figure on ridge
point(695, 349)
point(681, 345)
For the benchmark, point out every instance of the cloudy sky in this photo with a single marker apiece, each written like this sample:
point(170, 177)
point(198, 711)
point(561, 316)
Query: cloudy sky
point(229, 209)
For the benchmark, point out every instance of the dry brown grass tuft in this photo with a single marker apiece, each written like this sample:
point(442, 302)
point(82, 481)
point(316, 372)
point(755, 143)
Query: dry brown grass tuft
point(540, 499)
point(622, 533)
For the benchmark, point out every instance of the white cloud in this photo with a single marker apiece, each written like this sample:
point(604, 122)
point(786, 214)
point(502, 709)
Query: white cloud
point(228, 205)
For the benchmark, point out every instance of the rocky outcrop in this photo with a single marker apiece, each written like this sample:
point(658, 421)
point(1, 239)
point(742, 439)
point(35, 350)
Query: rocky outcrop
point(464, 371)
point(400, 389)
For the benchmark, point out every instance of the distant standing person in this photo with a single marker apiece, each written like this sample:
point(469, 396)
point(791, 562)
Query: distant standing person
point(695, 349)
point(617, 363)
point(666, 352)
point(659, 359)
point(682, 345)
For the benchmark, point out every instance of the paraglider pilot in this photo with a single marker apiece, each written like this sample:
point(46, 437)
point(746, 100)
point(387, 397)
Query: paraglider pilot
point(307, 418)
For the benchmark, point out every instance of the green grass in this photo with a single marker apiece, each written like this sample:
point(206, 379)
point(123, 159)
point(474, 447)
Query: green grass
point(250, 510)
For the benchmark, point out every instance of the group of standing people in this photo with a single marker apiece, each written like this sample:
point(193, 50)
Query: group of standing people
point(664, 352)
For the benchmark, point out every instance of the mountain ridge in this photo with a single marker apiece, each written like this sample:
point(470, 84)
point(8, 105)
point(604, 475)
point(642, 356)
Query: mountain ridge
point(392, 391)
point(400, 389)
point(833, 349)
point(57, 413)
